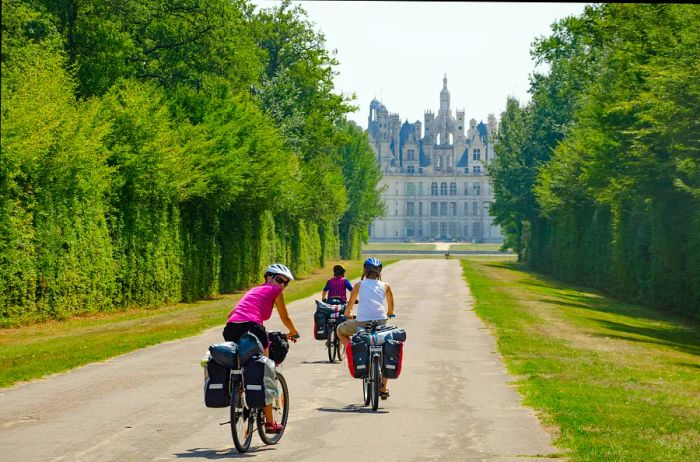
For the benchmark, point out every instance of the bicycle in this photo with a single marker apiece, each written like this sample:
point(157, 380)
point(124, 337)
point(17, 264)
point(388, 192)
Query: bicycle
point(333, 345)
point(244, 419)
point(373, 379)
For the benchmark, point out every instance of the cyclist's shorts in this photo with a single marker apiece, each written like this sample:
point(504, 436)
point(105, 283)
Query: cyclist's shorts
point(349, 327)
point(234, 330)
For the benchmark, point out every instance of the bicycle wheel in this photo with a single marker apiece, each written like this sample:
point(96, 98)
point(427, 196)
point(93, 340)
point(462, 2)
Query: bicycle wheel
point(339, 349)
point(241, 420)
point(280, 412)
point(330, 343)
point(376, 382)
point(366, 393)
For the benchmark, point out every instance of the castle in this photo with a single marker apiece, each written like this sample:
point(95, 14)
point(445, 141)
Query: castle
point(435, 185)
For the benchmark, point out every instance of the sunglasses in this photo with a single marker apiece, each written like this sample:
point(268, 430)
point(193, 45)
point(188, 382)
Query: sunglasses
point(280, 280)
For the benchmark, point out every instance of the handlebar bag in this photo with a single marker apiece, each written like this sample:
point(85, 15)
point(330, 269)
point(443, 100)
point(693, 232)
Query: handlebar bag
point(278, 347)
point(216, 385)
point(225, 353)
point(358, 358)
point(392, 357)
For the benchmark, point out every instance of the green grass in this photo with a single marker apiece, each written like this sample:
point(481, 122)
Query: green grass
point(397, 246)
point(615, 381)
point(34, 351)
point(482, 246)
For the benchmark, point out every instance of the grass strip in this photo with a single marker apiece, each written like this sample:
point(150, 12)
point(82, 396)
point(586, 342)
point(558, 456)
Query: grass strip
point(613, 380)
point(34, 351)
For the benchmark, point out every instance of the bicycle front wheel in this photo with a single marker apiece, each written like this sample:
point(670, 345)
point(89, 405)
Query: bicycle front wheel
point(376, 382)
point(241, 420)
point(280, 412)
point(339, 349)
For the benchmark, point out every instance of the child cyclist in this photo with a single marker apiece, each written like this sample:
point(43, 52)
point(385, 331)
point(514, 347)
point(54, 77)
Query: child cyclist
point(337, 287)
point(253, 309)
point(372, 293)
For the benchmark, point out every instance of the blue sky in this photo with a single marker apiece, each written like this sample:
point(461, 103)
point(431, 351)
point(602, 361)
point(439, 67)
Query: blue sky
point(398, 51)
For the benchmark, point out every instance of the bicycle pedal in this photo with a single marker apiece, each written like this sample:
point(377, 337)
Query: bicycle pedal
point(225, 423)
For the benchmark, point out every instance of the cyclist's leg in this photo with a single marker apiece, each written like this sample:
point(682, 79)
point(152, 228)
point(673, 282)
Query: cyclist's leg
point(346, 330)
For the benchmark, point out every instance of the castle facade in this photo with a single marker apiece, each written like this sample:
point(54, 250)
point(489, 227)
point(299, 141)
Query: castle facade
point(436, 186)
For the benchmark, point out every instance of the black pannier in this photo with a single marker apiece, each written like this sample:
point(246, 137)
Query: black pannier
point(216, 385)
point(278, 347)
point(358, 358)
point(225, 354)
point(392, 357)
point(320, 325)
point(254, 380)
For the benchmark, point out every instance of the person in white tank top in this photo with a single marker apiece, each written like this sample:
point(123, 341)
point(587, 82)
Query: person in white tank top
point(371, 293)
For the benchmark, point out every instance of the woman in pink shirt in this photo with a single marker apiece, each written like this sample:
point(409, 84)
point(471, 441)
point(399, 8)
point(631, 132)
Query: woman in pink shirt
point(253, 309)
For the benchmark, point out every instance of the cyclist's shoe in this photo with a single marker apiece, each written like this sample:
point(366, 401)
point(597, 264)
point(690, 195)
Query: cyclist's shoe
point(273, 427)
point(384, 394)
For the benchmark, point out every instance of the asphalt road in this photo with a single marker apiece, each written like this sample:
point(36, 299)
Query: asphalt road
point(453, 400)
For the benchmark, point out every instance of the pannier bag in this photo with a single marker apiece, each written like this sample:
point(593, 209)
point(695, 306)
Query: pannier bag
point(320, 325)
point(225, 354)
point(392, 356)
point(259, 380)
point(248, 347)
point(278, 347)
point(358, 358)
point(216, 385)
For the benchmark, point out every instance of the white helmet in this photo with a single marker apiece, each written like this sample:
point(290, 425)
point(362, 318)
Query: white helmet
point(279, 268)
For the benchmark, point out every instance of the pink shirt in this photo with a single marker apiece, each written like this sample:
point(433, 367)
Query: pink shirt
point(256, 305)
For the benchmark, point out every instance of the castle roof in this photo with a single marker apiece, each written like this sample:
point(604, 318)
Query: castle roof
point(464, 160)
point(483, 131)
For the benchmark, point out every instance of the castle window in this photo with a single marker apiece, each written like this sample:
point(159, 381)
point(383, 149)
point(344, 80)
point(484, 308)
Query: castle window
point(443, 189)
point(475, 208)
point(477, 170)
point(411, 169)
point(466, 188)
point(453, 189)
point(477, 189)
point(477, 154)
point(443, 209)
point(411, 154)
point(410, 189)
point(433, 209)
point(453, 209)
point(420, 209)
point(433, 189)
point(409, 209)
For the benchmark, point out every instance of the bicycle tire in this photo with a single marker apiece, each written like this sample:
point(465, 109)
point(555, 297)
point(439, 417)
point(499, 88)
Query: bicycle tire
point(339, 349)
point(280, 411)
point(376, 382)
point(241, 420)
point(330, 343)
point(366, 393)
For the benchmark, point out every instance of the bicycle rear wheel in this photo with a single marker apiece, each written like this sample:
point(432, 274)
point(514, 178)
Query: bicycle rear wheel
point(330, 343)
point(241, 420)
point(366, 392)
point(376, 382)
point(280, 412)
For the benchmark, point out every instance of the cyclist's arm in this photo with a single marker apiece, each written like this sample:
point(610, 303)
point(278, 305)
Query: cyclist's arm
point(389, 300)
point(351, 301)
point(324, 294)
point(284, 315)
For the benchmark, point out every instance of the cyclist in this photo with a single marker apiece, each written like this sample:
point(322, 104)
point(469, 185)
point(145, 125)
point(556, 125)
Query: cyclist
point(372, 293)
point(336, 288)
point(253, 309)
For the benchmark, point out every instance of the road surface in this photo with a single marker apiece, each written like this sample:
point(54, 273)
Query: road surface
point(453, 400)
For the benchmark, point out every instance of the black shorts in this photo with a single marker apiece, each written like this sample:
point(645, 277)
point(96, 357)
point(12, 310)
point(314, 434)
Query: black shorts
point(235, 330)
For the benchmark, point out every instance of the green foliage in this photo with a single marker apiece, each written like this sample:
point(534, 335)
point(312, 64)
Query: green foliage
point(617, 203)
point(156, 152)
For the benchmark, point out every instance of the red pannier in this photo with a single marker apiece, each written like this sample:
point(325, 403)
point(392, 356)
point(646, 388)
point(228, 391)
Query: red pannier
point(358, 359)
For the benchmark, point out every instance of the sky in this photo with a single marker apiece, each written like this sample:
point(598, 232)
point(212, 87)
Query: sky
point(398, 52)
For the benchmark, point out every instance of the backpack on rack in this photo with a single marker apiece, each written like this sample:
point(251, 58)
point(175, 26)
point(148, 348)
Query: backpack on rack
point(392, 357)
point(225, 353)
point(357, 353)
point(249, 347)
point(216, 384)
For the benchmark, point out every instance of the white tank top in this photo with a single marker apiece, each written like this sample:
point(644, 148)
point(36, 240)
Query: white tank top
point(371, 305)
